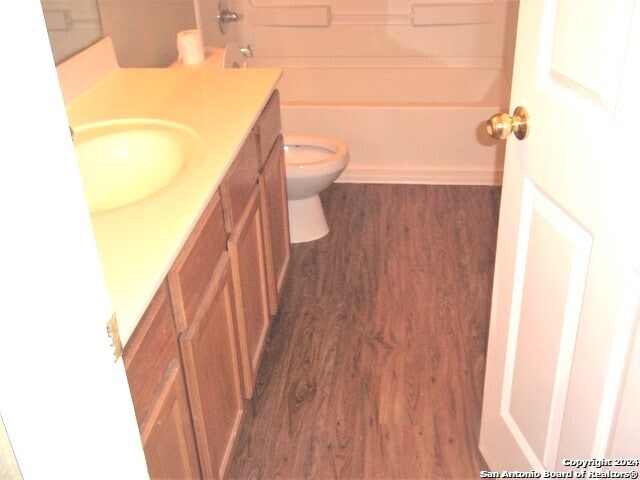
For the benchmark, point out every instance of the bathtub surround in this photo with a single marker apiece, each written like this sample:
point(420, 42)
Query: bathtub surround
point(407, 85)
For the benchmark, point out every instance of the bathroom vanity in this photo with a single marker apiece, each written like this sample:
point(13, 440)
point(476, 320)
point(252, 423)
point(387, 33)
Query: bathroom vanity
point(195, 271)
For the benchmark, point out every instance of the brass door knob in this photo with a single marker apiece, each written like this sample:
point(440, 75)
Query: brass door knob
point(501, 125)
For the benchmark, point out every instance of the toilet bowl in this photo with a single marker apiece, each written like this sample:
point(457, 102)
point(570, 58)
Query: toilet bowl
point(313, 162)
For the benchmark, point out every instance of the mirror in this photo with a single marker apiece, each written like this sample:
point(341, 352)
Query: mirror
point(72, 25)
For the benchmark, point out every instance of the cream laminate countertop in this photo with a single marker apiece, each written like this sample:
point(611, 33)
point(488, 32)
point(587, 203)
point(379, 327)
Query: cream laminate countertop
point(138, 244)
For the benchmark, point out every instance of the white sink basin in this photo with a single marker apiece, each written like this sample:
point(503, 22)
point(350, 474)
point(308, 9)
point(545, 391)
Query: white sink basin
point(125, 161)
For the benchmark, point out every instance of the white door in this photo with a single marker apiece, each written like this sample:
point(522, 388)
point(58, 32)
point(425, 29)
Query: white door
point(65, 405)
point(562, 365)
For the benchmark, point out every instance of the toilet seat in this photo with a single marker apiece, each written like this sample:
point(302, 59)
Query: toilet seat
point(317, 154)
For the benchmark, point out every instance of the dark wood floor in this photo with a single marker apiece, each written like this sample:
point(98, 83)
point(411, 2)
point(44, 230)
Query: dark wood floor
point(374, 367)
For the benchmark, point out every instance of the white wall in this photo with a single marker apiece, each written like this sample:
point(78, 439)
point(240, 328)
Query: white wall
point(144, 31)
point(72, 25)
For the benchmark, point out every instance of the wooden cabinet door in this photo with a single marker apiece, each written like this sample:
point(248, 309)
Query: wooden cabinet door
point(167, 436)
point(246, 249)
point(273, 189)
point(152, 363)
point(213, 374)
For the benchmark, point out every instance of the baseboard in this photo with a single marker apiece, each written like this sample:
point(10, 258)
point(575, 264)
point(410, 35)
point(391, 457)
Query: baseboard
point(424, 176)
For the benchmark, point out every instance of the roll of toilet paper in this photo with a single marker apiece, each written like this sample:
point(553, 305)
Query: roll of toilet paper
point(190, 47)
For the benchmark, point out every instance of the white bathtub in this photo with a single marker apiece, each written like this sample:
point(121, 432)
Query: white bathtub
point(411, 124)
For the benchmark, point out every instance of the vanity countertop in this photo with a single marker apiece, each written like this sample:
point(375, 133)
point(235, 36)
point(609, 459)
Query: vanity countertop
point(138, 244)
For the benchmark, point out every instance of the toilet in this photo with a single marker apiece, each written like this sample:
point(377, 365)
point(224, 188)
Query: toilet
point(312, 163)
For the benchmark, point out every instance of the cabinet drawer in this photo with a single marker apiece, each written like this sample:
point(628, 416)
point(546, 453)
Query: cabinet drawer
point(238, 184)
point(149, 352)
point(196, 264)
point(268, 126)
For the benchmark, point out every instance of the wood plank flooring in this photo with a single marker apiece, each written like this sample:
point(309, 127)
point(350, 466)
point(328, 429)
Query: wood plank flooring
point(374, 367)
